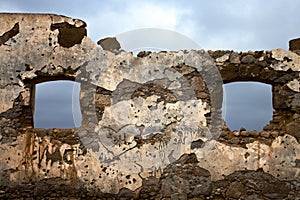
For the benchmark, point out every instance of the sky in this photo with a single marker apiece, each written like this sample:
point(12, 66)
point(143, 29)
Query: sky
point(235, 25)
point(54, 104)
point(247, 105)
point(213, 24)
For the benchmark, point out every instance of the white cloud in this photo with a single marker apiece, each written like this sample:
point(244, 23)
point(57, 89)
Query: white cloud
point(140, 15)
point(254, 24)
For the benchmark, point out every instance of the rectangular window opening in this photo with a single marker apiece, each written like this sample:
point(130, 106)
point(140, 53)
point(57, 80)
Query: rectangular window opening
point(57, 105)
point(247, 105)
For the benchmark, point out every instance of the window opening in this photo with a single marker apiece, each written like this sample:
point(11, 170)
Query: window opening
point(57, 105)
point(247, 105)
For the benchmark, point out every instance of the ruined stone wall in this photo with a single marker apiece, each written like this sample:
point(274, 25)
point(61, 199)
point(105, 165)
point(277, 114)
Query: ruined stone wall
point(151, 126)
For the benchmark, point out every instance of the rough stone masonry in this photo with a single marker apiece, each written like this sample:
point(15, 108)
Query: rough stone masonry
point(151, 124)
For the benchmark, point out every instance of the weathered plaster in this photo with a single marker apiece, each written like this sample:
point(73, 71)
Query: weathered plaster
point(8, 95)
point(289, 60)
point(277, 159)
point(151, 124)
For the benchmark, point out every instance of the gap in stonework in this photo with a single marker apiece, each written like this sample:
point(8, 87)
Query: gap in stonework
point(57, 105)
point(247, 105)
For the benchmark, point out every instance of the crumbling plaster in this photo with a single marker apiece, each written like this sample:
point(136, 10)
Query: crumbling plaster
point(140, 114)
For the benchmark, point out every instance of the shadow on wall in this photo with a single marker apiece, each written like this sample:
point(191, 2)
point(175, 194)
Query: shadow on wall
point(57, 105)
point(247, 105)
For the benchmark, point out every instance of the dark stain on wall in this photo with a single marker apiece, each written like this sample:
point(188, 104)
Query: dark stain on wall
point(184, 178)
point(9, 34)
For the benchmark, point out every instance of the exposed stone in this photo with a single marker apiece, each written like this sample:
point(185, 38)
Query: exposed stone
point(242, 129)
point(151, 126)
point(294, 44)
point(9, 132)
point(297, 163)
point(276, 190)
point(109, 43)
point(143, 54)
point(293, 129)
point(237, 133)
point(243, 133)
point(186, 179)
point(197, 144)
point(294, 85)
point(179, 196)
point(295, 104)
point(274, 134)
point(69, 34)
point(253, 133)
point(187, 158)
point(256, 182)
point(265, 134)
point(222, 58)
point(248, 59)
point(236, 190)
point(234, 58)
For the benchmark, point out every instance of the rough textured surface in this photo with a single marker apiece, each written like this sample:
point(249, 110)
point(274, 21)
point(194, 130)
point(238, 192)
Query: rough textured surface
point(9, 34)
point(151, 126)
point(294, 44)
point(110, 43)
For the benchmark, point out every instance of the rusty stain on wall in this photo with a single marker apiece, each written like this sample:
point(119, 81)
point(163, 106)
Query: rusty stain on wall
point(141, 138)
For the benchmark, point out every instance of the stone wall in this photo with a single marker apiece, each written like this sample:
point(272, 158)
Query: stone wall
point(151, 126)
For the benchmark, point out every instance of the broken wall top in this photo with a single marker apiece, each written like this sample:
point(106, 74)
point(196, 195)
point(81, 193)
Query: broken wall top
point(177, 93)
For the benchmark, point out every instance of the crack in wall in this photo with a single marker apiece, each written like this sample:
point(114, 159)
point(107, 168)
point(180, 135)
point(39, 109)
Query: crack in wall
point(58, 156)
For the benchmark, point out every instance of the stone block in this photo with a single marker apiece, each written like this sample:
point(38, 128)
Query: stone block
point(294, 44)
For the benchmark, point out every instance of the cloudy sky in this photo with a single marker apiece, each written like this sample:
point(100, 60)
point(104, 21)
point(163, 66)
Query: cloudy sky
point(213, 24)
point(238, 25)
point(247, 105)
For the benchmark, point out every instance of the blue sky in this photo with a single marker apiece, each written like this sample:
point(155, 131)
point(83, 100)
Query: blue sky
point(237, 25)
point(57, 105)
